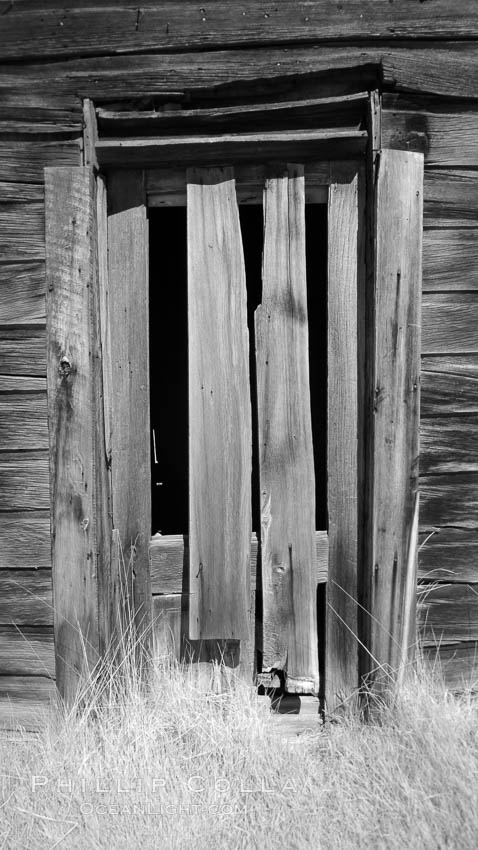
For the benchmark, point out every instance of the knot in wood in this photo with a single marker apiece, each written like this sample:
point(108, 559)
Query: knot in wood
point(65, 366)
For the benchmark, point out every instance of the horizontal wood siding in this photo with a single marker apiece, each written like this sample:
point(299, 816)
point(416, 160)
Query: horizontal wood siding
point(181, 26)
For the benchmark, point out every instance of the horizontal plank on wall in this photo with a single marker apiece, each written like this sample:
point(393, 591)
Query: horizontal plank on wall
point(449, 323)
point(184, 25)
point(23, 421)
point(26, 701)
point(450, 499)
point(24, 481)
point(28, 651)
point(317, 144)
point(22, 292)
point(447, 613)
point(26, 597)
point(450, 259)
point(25, 541)
point(167, 554)
point(21, 192)
point(23, 351)
point(456, 665)
point(22, 226)
point(449, 444)
point(446, 389)
point(443, 139)
point(449, 554)
point(449, 69)
point(25, 161)
point(451, 198)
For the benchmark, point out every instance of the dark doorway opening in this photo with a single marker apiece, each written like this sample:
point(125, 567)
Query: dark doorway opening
point(169, 357)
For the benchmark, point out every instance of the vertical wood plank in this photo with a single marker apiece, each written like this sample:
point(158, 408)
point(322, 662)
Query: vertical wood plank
point(220, 442)
point(128, 418)
point(72, 270)
point(286, 461)
point(398, 264)
point(342, 445)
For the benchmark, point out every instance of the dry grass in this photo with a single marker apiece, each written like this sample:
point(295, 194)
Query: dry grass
point(169, 767)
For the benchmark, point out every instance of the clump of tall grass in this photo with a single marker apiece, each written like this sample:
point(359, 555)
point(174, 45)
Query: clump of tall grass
point(164, 765)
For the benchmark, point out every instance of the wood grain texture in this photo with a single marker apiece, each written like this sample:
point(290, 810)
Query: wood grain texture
point(183, 26)
point(399, 204)
point(169, 557)
point(449, 499)
point(220, 429)
point(449, 444)
point(24, 481)
point(128, 319)
point(286, 464)
point(72, 277)
point(450, 259)
point(26, 597)
point(23, 350)
point(449, 554)
point(23, 421)
point(54, 89)
point(451, 198)
point(23, 231)
point(25, 161)
point(22, 292)
point(447, 613)
point(21, 192)
point(449, 321)
point(315, 113)
point(26, 701)
point(28, 651)
point(167, 187)
point(447, 389)
point(342, 675)
point(232, 148)
point(25, 540)
point(167, 626)
point(443, 139)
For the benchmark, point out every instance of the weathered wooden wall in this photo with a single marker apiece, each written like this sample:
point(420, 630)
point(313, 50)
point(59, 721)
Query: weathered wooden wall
point(424, 56)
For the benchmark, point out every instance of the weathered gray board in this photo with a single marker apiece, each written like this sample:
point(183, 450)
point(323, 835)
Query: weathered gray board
point(286, 465)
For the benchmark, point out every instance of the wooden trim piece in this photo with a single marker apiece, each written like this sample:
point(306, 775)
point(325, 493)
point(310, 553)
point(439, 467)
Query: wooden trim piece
point(127, 410)
point(286, 463)
point(337, 143)
point(169, 553)
point(342, 676)
point(314, 112)
point(72, 275)
point(399, 205)
point(220, 429)
point(90, 133)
